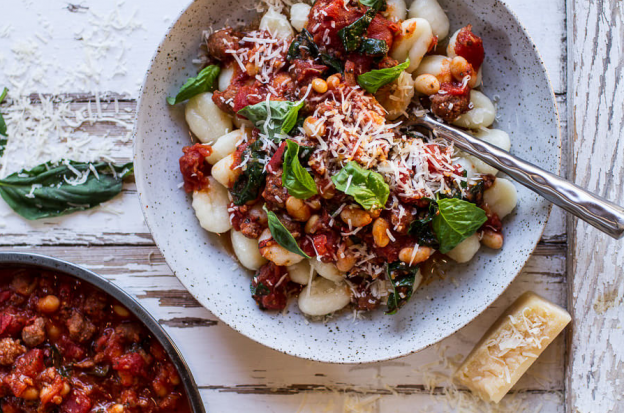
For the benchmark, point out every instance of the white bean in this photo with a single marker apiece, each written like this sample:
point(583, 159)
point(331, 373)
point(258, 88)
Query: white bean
point(502, 197)
point(323, 297)
point(277, 24)
point(465, 250)
point(299, 15)
point(276, 253)
point(481, 115)
point(300, 272)
point(414, 42)
point(211, 207)
point(225, 146)
point(431, 11)
point(327, 270)
point(247, 252)
point(205, 119)
point(222, 171)
point(396, 10)
point(436, 65)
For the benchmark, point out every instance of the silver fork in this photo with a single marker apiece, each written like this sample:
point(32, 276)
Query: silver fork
point(597, 211)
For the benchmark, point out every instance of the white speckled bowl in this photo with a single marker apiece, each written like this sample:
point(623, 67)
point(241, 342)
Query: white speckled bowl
point(513, 73)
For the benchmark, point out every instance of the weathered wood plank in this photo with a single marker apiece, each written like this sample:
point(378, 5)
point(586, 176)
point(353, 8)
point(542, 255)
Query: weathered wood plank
point(211, 345)
point(596, 118)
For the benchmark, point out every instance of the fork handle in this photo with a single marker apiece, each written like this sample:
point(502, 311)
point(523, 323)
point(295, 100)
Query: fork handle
point(599, 212)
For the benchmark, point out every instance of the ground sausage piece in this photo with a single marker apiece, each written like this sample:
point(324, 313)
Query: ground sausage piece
point(34, 334)
point(274, 192)
point(9, 351)
point(222, 40)
point(80, 328)
point(450, 106)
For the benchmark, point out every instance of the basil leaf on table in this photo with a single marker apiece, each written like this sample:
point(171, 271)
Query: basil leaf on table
point(373, 80)
point(404, 279)
point(352, 35)
point(273, 117)
point(3, 126)
point(295, 177)
point(281, 235)
point(45, 191)
point(204, 82)
point(457, 220)
point(368, 188)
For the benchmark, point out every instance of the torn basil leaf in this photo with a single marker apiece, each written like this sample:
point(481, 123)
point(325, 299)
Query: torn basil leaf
point(282, 236)
point(54, 189)
point(353, 34)
point(368, 188)
point(303, 41)
point(457, 220)
point(273, 117)
point(380, 5)
point(374, 47)
point(205, 81)
point(296, 178)
point(373, 80)
point(249, 183)
point(332, 62)
point(402, 279)
point(422, 229)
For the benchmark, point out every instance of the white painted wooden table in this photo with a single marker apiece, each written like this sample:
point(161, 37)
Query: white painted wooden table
point(96, 52)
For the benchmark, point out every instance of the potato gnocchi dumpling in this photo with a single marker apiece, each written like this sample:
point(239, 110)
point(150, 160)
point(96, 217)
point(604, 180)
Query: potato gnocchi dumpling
point(327, 270)
point(495, 137)
point(301, 272)
point(225, 145)
point(431, 11)
point(275, 253)
point(413, 42)
point(502, 197)
point(466, 250)
point(481, 115)
point(396, 10)
point(205, 119)
point(211, 207)
point(299, 15)
point(225, 172)
point(247, 252)
point(323, 297)
point(397, 97)
point(277, 24)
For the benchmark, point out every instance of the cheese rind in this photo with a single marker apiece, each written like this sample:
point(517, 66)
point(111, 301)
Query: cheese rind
point(511, 345)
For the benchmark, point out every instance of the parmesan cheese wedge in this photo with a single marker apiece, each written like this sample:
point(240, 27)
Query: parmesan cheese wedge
point(511, 346)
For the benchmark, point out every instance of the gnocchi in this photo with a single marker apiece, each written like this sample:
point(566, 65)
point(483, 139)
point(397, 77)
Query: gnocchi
point(327, 270)
point(468, 166)
point(396, 10)
point(413, 43)
point(397, 97)
point(299, 15)
point(495, 137)
point(502, 197)
point(211, 207)
point(323, 297)
point(431, 11)
point(224, 174)
point(466, 250)
point(277, 24)
point(225, 77)
point(436, 65)
point(246, 250)
point(481, 115)
point(276, 253)
point(225, 146)
point(205, 119)
point(300, 273)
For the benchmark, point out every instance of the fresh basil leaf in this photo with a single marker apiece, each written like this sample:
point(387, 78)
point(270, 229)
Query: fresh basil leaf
point(296, 178)
point(332, 62)
point(283, 116)
point(352, 35)
point(374, 47)
point(205, 81)
point(402, 279)
point(249, 183)
point(368, 188)
point(303, 41)
point(282, 236)
point(456, 220)
point(373, 80)
point(3, 126)
point(45, 191)
point(374, 4)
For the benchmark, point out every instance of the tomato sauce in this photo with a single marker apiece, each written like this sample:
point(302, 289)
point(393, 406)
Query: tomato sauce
point(67, 347)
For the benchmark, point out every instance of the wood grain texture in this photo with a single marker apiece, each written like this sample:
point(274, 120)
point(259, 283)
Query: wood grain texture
point(595, 375)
